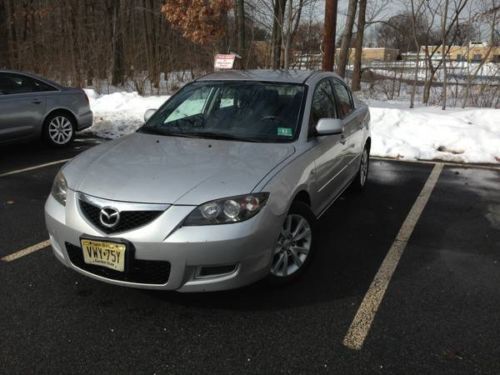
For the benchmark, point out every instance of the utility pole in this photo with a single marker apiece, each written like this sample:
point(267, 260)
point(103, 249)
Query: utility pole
point(329, 34)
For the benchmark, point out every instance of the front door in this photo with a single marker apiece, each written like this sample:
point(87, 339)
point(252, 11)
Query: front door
point(330, 149)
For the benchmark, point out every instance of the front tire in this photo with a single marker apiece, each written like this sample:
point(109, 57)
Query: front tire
point(295, 246)
point(59, 130)
point(359, 181)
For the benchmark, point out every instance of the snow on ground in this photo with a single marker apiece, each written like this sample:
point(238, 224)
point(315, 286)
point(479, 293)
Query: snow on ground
point(120, 113)
point(470, 135)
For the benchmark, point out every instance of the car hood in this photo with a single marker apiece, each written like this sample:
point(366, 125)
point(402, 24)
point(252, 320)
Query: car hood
point(160, 169)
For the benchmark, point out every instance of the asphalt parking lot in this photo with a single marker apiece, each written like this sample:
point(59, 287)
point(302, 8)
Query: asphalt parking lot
point(439, 313)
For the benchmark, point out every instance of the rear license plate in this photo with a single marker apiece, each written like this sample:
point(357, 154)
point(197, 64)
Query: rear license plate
point(105, 254)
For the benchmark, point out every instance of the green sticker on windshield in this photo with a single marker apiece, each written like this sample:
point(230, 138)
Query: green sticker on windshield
point(287, 132)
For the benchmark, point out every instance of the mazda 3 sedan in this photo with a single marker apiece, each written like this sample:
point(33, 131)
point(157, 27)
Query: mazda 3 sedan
point(221, 187)
point(32, 107)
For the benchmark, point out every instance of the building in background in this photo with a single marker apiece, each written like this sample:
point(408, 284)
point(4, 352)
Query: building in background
point(474, 52)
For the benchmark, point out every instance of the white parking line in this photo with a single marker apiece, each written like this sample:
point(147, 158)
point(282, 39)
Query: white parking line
point(365, 315)
point(21, 253)
point(34, 167)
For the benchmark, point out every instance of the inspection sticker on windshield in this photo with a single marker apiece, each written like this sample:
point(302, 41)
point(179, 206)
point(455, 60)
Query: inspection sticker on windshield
point(287, 132)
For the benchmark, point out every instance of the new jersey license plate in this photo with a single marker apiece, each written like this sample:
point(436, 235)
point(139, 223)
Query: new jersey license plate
point(105, 254)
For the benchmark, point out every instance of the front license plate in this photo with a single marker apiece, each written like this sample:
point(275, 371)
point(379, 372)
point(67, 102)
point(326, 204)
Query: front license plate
point(104, 254)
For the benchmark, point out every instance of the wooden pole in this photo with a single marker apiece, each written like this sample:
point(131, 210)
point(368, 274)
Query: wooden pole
point(329, 34)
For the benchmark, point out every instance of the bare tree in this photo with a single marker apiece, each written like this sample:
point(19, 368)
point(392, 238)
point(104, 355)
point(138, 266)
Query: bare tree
point(239, 11)
point(356, 73)
point(443, 51)
point(346, 38)
point(491, 15)
point(329, 34)
point(4, 40)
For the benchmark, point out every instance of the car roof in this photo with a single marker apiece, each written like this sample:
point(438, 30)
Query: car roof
point(281, 76)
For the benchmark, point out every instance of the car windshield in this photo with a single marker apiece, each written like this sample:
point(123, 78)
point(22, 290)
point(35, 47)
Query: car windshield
point(243, 111)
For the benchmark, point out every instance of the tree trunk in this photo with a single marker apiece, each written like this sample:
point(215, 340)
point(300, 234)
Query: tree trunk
point(239, 10)
point(427, 87)
point(346, 38)
point(117, 72)
point(356, 73)
point(277, 36)
point(4, 37)
point(329, 35)
point(443, 52)
point(288, 35)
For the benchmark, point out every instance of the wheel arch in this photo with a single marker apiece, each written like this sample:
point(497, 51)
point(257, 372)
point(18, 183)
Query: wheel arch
point(64, 111)
point(302, 196)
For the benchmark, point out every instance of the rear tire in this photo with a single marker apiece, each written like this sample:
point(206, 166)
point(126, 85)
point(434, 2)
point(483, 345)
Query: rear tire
point(59, 130)
point(295, 246)
point(359, 181)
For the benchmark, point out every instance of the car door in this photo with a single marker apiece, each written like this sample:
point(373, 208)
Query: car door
point(330, 149)
point(353, 125)
point(22, 106)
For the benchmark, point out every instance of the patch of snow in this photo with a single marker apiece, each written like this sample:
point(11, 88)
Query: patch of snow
point(120, 113)
point(429, 133)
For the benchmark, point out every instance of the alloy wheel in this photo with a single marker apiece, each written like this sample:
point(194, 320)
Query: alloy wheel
point(293, 246)
point(60, 130)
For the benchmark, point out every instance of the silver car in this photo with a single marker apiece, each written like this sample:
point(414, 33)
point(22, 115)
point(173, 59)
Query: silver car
point(221, 187)
point(32, 108)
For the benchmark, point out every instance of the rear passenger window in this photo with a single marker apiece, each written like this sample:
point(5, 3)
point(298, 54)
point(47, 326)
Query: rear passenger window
point(42, 86)
point(344, 99)
point(19, 84)
point(323, 103)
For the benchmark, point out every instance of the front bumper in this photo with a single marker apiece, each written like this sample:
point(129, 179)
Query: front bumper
point(247, 245)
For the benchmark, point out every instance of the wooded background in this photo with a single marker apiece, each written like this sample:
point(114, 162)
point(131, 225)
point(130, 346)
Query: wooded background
point(81, 42)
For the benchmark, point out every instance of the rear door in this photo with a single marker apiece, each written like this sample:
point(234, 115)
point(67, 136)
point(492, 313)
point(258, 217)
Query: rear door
point(22, 106)
point(353, 125)
point(330, 149)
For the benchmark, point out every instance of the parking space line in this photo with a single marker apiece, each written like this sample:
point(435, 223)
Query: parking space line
point(365, 315)
point(21, 253)
point(34, 167)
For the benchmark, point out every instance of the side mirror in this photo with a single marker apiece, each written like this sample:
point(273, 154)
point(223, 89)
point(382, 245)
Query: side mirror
point(329, 126)
point(150, 112)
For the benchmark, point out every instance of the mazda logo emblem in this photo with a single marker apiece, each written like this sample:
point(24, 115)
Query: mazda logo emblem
point(109, 217)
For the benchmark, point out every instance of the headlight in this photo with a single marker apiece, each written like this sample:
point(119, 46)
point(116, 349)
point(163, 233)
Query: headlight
point(227, 210)
point(60, 189)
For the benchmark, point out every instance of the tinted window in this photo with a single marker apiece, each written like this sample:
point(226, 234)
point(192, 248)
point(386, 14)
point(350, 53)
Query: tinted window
point(323, 103)
point(343, 99)
point(19, 84)
point(251, 111)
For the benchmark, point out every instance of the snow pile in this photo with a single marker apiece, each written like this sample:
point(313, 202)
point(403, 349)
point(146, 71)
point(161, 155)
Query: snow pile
point(120, 113)
point(424, 133)
point(429, 133)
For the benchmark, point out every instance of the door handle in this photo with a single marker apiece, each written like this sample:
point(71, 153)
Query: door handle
point(37, 101)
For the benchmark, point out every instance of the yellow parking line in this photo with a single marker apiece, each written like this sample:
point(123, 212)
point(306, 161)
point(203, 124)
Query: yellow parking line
point(34, 167)
point(365, 315)
point(26, 251)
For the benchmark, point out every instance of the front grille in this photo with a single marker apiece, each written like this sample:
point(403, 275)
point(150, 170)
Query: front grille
point(138, 271)
point(128, 219)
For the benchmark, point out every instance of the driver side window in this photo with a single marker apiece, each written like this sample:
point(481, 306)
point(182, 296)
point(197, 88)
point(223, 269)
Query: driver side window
point(323, 104)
